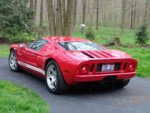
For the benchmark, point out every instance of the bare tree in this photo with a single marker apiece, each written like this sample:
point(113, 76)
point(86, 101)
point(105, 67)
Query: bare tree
point(114, 18)
point(63, 11)
point(51, 17)
point(59, 17)
point(75, 12)
point(41, 14)
point(68, 18)
point(105, 12)
point(62, 22)
point(84, 11)
point(97, 14)
point(90, 11)
point(35, 10)
point(146, 11)
point(132, 10)
point(135, 13)
point(31, 4)
point(123, 15)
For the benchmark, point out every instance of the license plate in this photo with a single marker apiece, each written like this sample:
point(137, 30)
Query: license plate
point(108, 67)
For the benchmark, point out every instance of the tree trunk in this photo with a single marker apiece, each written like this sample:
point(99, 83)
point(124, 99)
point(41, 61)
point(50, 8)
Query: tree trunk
point(31, 4)
point(41, 14)
point(63, 11)
point(68, 18)
point(35, 10)
point(84, 11)
point(123, 16)
point(105, 13)
point(59, 18)
point(97, 14)
point(135, 13)
point(91, 9)
point(146, 12)
point(114, 14)
point(132, 10)
point(51, 17)
point(75, 12)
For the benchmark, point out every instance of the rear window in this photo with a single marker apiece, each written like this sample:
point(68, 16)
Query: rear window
point(81, 46)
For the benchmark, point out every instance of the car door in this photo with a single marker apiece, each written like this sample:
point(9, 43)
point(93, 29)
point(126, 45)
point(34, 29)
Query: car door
point(32, 55)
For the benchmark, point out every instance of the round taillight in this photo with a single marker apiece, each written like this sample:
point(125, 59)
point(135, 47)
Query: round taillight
point(84, 69)
point(132, 66)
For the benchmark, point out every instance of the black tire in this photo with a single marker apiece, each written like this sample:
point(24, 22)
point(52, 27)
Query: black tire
point(14, 67)
point(122, 83)
point(60, 85)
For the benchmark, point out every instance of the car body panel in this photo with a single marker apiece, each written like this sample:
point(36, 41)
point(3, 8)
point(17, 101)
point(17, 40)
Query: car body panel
point(71, 62)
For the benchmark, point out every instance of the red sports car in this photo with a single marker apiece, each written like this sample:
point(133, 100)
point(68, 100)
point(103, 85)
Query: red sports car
point(65, 61)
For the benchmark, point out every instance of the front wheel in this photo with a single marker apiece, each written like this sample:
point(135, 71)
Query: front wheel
point(13, 64)
point(54, 79)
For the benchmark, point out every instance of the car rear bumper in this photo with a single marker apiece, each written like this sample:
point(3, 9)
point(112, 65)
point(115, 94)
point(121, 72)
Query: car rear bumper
point(100, 77)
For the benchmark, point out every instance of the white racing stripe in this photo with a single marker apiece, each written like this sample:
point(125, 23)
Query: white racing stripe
point(31, 67)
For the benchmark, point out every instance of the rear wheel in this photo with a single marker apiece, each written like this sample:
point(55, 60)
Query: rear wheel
point(122, 83)
point(54, 79)
point(13, 64)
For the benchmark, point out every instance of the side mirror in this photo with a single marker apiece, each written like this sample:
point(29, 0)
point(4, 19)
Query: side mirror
point(22, 45)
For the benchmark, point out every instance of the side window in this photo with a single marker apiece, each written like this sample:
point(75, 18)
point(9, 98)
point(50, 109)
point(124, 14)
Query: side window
point(37, 45)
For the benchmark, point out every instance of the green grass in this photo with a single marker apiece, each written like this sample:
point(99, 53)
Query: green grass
point(105, 35)
point(4, 50)
point(15, 99)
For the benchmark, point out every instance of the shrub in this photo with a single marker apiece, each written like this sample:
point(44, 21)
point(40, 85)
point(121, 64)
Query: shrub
point(22, 37)
point(90, 34)
point(115, 41)
point(15, 17)
point(142, 35)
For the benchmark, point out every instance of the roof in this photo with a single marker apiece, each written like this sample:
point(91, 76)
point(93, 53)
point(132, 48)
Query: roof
point(64, 39)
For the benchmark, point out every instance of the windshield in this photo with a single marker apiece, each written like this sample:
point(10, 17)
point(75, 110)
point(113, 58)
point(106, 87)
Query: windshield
point(81, 46)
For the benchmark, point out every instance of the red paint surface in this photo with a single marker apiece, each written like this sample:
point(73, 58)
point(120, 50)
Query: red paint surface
point(70, 62)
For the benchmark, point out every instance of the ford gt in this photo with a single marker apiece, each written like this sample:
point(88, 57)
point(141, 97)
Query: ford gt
point(66, 61)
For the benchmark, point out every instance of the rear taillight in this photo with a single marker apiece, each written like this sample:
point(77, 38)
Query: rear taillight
point(84, 69)
point(132, 66)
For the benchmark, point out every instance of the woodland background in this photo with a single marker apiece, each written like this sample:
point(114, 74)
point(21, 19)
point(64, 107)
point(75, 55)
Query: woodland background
point(117, 24)
point(97, 13)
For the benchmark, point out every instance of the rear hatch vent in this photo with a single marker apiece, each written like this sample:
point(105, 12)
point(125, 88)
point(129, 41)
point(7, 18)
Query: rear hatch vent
point(87, 54)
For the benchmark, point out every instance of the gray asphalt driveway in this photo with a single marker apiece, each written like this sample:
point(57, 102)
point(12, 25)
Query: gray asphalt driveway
point(135, 98)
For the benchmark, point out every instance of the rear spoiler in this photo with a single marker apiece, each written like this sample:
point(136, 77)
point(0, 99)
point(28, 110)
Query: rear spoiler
point(108, 59)
point(112, 60)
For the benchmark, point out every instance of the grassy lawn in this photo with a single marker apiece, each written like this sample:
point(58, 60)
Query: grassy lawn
point(15, 99)
point(104, 35)
point(4, 50)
